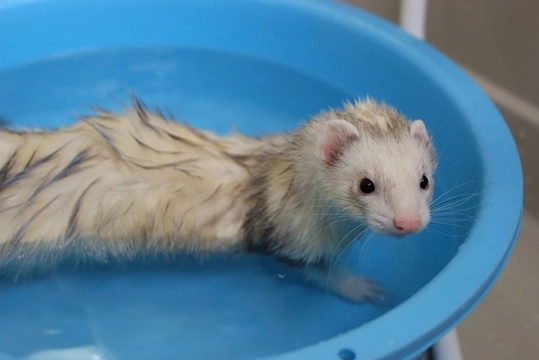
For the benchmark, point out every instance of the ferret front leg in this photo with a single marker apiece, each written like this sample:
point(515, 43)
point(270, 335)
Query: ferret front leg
point(342, 282)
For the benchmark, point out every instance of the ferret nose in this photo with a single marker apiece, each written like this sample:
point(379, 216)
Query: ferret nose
point(407, 225)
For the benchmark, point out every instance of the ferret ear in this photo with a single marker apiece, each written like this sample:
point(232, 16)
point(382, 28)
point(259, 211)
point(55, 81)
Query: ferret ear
point(419, 130)
point(337, 135)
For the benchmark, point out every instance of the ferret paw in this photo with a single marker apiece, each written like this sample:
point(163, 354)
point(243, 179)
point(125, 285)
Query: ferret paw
point(360, 290)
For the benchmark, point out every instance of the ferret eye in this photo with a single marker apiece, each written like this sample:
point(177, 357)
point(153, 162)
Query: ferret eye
point(366, 186)
point(424, 183)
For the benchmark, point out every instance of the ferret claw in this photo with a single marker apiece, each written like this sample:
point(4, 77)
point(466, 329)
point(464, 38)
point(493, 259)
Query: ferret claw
point(361, 290)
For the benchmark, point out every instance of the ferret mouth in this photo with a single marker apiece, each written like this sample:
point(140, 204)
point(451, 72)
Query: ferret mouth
point(381, 228)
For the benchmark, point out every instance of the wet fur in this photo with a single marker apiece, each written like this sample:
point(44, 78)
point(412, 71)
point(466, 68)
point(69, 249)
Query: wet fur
point(121, 185)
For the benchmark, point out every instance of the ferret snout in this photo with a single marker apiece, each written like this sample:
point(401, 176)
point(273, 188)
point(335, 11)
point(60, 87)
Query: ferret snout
point(407, 221)
point(407, 225)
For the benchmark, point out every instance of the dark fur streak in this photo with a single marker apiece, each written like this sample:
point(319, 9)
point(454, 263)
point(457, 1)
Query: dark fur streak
point(10, 208)
point(217, 189)
point(146, 146)
point(112, 217)
point(31, 158)
point(197, 132)
point(169, 114)
point(73, 219)
point(6, 169)
point(70, 169)
point(238, 157)
point(161, 166)
point(107, 139)
point(160, 113)
point(214, 219)
point(144, 232)
point(178, 227)
point(167, 207)
point(288, 168)
point(238, 160)
point(129, 207)
point(168, 117)
point(189, 143)
point(187, 173)
point(27, 169)
point(258, 231)
point(22, 230)
point(103, 113)
point(180, 139)
point(288, 192)
point(143, 116)
point(218, 216)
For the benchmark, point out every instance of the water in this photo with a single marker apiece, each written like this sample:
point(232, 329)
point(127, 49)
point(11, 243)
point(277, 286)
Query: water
point(226, 309)
point(251, 95)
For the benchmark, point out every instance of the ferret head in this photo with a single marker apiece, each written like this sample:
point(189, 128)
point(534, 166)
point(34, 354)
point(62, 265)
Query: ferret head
point(378, 166)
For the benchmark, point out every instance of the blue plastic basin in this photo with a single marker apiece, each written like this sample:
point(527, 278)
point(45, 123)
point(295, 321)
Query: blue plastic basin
point(259, 66)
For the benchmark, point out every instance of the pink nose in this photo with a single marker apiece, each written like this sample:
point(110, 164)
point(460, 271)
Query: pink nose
point(407, 225)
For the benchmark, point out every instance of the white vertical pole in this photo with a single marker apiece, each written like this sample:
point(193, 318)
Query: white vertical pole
point(448, 347)
point(413, 14)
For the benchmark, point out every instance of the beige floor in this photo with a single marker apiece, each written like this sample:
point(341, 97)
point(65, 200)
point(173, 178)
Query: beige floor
point(505, 325)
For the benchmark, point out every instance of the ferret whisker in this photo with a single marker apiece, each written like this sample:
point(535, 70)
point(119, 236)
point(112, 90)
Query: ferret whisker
point(454, 216)
point(370, 251)
point(468, 212)
point(457, 204)
point(443, 234)
point(462, 207)
point(452, 221)
point(456, 210)
point(354, 249)
point(342, 240)
point(441, 152)
point(338, 215)
point(437, 235)
point(452, 202)
point(365, 249)
point(351, 234)
point(443, 230)
point(334, 260)
point(461, 198)
point(329, 224)
point(451, 224)
point(453, 188)
point(359, 237)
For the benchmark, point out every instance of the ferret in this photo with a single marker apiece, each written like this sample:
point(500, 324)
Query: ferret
point(117, 185)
